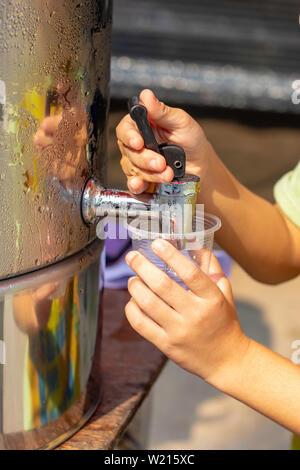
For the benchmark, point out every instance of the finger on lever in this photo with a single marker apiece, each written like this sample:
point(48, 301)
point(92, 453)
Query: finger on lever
point(128, 134)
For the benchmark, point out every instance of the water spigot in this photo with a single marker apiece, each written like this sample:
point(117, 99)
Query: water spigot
point(98, 201)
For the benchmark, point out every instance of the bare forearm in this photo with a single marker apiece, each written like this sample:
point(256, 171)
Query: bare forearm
point(267, 382)
point(254, 232)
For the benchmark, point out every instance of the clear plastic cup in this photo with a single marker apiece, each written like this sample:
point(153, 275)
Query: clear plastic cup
point(196, 246)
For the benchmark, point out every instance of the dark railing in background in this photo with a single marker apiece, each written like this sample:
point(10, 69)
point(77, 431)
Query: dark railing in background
point(228, 53)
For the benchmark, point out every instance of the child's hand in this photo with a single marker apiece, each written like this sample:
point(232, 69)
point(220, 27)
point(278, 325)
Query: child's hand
point(141, 165)
point(197, 329)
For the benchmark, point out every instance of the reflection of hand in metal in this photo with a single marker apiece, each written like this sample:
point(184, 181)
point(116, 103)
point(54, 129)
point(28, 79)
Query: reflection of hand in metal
point(32, 310)
point(62, 139)
point(45, 135)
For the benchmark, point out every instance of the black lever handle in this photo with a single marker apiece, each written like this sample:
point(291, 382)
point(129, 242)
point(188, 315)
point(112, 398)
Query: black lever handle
point(139, 114)
point(173, 154)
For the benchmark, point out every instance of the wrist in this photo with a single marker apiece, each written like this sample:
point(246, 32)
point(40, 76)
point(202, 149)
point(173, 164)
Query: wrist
point(230, 372)
point(206, 168)
point(198, 160)
point(210, 169)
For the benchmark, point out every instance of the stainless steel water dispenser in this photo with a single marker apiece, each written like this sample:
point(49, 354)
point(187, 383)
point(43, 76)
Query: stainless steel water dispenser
point(54, 78)
point(54, 82)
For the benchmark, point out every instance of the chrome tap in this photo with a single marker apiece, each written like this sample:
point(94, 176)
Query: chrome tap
point(98, 201)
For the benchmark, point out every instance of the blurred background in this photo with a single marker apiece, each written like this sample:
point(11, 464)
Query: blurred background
point(231, 65)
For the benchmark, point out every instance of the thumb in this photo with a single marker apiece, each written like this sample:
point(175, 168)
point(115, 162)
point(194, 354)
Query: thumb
point(162, 115)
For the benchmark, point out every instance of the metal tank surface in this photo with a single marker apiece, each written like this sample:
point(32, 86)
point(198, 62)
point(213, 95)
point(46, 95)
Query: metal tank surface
point(54, 82)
